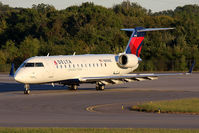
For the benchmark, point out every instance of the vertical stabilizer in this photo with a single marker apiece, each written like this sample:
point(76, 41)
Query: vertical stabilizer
point(137, 37)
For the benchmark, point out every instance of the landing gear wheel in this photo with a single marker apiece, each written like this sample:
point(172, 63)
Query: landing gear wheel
point(100, 87)
point(27, 91)
point(73, 87)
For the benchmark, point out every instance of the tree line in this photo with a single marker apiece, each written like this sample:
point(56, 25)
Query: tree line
point(93, 29)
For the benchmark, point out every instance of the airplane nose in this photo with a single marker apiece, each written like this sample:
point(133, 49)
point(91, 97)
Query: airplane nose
point(18, 78)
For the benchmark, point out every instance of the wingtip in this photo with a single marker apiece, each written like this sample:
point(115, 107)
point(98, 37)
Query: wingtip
point(11, 74)
point(191, 68)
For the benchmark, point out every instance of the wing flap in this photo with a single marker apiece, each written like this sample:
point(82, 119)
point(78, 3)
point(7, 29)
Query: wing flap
point(128, 77)
point(125, 78)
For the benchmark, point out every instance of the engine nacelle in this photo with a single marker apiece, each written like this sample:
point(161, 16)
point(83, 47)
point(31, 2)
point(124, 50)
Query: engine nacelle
point(127, 60)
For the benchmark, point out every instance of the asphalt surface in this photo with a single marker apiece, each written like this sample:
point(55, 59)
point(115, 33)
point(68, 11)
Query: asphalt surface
point(57, 106)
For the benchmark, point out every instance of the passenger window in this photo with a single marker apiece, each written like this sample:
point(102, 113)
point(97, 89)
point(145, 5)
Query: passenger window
point(85, 65)
point(93, 65)
point(69, 66)
point(82, 65)
point(96, 64)
point(65, 66)
point(89, 65)
point(60, 66)
point(101, 64)
point(59, 61)
point(77, 65)
point(74, 65)
point(105, 64)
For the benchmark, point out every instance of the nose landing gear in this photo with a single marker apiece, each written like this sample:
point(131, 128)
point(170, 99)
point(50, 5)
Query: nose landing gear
point(27, 89)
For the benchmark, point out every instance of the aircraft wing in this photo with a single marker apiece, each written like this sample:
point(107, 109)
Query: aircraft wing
point(130, 77)
point(126, 78)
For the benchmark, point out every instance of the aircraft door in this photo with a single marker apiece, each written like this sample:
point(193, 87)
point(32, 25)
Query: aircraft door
point(49, 70)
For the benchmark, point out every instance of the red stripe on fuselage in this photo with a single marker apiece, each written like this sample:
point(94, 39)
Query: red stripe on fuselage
point(134, 44)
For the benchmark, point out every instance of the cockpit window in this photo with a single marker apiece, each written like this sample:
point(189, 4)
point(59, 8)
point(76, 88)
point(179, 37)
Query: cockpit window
point(29, 65)
point(36, 64)
point(39, 65)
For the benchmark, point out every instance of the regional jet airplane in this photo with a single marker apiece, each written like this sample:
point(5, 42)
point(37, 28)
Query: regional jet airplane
point(100, 69)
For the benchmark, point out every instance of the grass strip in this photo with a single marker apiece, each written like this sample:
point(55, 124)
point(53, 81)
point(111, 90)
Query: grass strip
point(95, 130)
point(189, 105)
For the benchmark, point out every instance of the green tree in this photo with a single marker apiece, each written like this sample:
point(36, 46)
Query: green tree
point(29, 47)
point(89, 28)
point(11, 51)
point(3, 57)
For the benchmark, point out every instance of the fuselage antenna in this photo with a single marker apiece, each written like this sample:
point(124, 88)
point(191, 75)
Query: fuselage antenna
point(48, 54)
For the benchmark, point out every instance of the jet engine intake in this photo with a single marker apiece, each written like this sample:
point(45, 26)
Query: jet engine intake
point(127, 60)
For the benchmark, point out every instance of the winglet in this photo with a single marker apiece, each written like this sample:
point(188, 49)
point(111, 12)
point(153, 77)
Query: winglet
point(191, 68)
point(12, 71)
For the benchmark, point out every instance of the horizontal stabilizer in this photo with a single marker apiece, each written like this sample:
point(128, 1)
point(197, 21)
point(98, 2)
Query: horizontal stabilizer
point(153, 29)
point(146, 29)
point(128, 30)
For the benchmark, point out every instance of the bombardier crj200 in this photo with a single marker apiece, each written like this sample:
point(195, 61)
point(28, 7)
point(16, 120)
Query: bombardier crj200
point(101, 69)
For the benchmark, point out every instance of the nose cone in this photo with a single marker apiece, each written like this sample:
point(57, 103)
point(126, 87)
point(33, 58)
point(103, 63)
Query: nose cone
point(19, 78)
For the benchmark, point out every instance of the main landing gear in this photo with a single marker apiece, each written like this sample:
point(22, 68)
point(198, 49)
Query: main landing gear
point(73, 87)
point(27, 89)
point(100, 87)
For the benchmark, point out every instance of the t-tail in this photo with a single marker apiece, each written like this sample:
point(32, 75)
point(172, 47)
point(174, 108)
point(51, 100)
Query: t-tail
point(136, 40)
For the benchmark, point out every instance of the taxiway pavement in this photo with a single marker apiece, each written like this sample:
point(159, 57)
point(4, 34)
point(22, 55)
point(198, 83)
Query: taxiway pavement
point(57, 106)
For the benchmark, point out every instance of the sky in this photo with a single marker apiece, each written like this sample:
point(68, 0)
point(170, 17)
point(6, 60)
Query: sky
point(154, 5)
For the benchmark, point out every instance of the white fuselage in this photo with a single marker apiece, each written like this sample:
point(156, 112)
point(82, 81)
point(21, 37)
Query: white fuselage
point(59, 68)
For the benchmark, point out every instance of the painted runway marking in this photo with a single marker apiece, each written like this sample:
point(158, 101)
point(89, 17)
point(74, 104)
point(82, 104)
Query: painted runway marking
point(92, 108)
